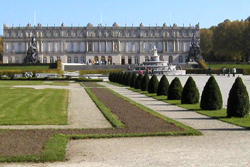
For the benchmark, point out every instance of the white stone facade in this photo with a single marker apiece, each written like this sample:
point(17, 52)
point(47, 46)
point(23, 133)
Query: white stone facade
point(111, 45)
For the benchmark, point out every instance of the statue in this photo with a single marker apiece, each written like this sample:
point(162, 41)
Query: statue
point(194, 52)
point(154, 51)
point(32, 53)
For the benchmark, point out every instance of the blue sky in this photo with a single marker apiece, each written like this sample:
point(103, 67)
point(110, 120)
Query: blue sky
point(148, 12)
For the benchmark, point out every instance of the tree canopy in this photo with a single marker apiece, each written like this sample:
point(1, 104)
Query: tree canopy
point(228, 41)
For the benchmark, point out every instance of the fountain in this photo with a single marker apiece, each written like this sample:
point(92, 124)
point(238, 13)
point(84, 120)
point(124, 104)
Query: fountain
point(155, 66)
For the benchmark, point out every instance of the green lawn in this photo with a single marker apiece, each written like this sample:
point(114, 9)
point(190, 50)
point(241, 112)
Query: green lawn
point(27, 82)
point(24, 67)
point(219, 66)
point(26, 106)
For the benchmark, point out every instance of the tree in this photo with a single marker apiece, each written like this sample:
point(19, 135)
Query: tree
point(238, 100)
point(211, 98)
point(153, 84)
point(175, 89)
point(190, 93)
point(163, 86)
point(138, 81)
point(144, 82)
point(132, 81)
point(206, 44)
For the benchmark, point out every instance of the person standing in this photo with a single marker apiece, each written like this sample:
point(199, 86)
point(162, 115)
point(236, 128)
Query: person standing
point(234, 71)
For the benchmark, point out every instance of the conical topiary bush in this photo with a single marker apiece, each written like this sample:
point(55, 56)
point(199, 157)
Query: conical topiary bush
point(128, 79)
point(153, 84)
point(175, 89)
point(211, 98)
point(190, 93)
point(138, 81)
point(163, 86)
point(132, 81)
point(238, 100)
point(144, 82)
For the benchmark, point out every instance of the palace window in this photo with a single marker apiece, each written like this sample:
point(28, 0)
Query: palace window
point(75, 59)
point(44, 59)
point(103, 60)
point(129, 60)
point(136, 60)
point(52, 59)
point(110, 60)
point(16, 60)
point(146, 58)
point(68, 59)
point(170, 59)
point(180, 59)
point(58, 58)
point(82, 60)
point(9, 60)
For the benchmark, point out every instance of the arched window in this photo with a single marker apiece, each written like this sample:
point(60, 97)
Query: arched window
point(82, 60)
point(58, 58)
point(52, 59)
point(68, 59)
point(129, 60)
point(44, 59)
point(136, 60)
point(16, 60)
point(110, 60)
point(146, 58)
point(170, 59)
point(103, 60)
point(180, 59)
point(75, 59)
point(9, 60)
point(123, 60)
point(96, 59)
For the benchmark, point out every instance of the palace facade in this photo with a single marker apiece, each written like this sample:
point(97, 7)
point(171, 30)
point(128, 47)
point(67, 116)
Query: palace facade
point(109, 45)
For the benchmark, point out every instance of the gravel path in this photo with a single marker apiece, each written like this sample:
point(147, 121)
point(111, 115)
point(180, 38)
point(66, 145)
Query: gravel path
point(82, 112)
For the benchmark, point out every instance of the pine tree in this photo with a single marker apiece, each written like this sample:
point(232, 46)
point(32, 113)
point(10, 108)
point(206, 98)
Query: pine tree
point(138, 81)
point(175, 89)
point(144, 82)
point(153, 84)
point(238, 100)
point(190, 93)
point(163, 86)
point(211, 98)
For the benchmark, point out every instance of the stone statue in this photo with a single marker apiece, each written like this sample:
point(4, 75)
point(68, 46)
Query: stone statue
point(32, 53)
point(194, 52)
point(154, 51)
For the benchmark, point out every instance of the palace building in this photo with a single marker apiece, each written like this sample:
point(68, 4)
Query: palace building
point(99, 44)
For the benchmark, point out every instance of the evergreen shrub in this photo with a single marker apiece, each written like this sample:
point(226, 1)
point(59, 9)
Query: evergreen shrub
point(132, 81)
point(128, 79)
point(163, 86)
point(211, 98)
point(190, 93)
point(175, 89)
point(153, 84)
point(238, 100)
point(138, 81)
point(144, 82)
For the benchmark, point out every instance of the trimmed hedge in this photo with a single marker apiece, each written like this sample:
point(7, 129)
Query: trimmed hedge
point(238, 100)
point(132, 81)
point(163, 86)
point(153, 84)
point(144, 82)
point(190, 92)
point(138, 81)
point(211, 98)
point(175, 89)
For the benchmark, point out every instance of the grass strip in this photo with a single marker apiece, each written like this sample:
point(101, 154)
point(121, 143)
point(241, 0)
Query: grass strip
point(111, 117)
point(220, 114)
point(53, 150)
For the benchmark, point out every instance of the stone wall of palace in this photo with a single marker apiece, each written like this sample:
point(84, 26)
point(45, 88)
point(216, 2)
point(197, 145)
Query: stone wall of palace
point(92, 44)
